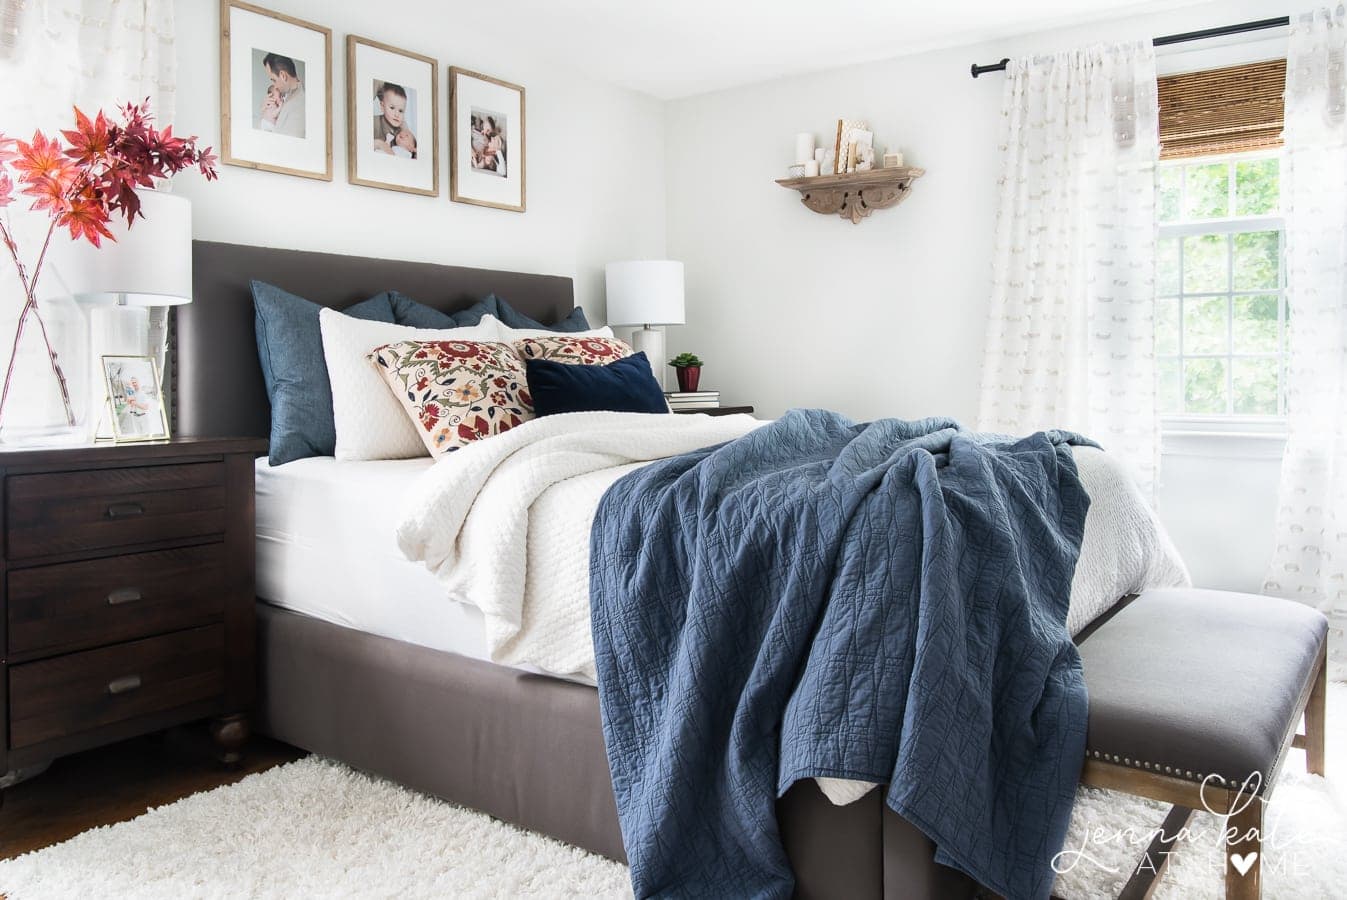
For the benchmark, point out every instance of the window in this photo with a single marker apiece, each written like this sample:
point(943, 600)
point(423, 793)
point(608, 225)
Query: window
point(1220, 317)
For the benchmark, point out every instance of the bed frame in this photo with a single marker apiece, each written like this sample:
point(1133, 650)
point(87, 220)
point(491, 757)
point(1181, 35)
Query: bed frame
point(525, 748)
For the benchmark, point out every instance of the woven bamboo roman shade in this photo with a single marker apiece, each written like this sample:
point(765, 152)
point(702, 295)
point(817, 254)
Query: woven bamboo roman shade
point(1229, 110)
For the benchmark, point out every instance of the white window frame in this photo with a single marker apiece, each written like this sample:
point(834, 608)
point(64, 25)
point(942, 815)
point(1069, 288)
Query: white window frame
point(1188, 426)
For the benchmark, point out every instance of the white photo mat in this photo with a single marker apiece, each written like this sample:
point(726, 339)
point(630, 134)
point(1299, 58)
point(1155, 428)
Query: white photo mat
point(248, 28)
point(469, 91)
point(366, 63)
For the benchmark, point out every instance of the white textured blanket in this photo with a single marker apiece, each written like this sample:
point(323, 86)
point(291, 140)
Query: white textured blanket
point(504, 523)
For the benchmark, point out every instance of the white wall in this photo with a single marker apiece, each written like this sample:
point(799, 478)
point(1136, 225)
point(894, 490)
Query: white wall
point(595, 160)
point(887, 318)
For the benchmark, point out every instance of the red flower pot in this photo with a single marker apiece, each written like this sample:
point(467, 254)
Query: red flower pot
point(688, 378)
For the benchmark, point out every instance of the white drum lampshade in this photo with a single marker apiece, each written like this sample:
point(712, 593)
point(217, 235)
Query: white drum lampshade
point(149, 264)
point(646, 292)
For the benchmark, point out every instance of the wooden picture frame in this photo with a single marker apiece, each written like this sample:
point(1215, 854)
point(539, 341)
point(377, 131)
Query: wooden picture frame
point(275, 118)
point(476, 175)
point(135, 398)
point(406, 166)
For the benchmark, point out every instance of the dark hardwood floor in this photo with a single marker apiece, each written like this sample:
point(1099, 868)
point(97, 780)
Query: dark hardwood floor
point(119, 782)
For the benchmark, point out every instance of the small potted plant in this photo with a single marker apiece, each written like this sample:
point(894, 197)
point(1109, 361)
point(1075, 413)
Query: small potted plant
point(689, 369)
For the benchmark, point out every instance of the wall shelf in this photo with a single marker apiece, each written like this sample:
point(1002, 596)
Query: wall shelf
point(857, 195)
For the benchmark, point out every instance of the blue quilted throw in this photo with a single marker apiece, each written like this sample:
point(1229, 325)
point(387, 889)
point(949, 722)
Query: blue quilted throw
point(883, 602)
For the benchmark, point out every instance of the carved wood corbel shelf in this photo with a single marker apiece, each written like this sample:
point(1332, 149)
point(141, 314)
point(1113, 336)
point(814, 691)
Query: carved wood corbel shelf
point(855, 196)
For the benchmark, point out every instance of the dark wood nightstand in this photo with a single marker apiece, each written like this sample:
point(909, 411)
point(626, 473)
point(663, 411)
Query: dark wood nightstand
point(717, 411)
point(126, 604)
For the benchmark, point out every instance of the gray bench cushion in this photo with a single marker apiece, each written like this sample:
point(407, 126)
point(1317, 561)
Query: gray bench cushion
point(1190, 682)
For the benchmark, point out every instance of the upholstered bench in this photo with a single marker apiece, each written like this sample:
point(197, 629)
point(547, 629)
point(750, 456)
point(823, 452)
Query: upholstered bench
point(1195, 696)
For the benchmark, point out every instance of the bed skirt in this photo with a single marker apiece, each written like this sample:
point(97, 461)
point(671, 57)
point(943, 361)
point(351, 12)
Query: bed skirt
point(528, 749)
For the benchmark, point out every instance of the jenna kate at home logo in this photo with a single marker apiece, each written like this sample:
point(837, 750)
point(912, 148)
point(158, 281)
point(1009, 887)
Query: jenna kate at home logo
point(1290, 854)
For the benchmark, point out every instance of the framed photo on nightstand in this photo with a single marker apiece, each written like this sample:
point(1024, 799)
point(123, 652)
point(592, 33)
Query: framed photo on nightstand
point(135, 398)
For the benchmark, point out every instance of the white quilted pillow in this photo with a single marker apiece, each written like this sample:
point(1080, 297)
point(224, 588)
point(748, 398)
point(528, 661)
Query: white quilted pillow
point(370, 422)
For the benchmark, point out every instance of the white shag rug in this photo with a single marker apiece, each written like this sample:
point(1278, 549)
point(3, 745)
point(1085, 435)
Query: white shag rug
point(315, 828)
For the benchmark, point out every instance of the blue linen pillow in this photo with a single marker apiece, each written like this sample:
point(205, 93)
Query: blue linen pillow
point(623, 386)
point(290, 348)
point(407, 311)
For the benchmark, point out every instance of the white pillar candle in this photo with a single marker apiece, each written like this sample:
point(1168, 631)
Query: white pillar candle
point(804, 148)
point(811, 169)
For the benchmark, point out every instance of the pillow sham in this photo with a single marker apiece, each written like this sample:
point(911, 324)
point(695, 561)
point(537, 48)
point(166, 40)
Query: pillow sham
point(407, 311)
point(456, 391)
point(290, 350)
point(511, 318)
point(582, 351)
point(369, 421)
point(626, 385)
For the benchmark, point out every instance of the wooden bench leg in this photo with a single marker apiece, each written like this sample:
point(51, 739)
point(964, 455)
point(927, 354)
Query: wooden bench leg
point(1244, 850)
point(1315, 712)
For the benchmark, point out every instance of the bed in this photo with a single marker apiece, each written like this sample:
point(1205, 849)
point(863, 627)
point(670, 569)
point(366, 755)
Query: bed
point(524, 747)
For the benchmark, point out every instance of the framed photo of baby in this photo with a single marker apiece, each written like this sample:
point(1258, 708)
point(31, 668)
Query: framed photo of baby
point(392, 118)
point(275, 92)
point(486, 166)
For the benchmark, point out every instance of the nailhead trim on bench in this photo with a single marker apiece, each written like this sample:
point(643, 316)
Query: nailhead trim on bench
point(1154, 767)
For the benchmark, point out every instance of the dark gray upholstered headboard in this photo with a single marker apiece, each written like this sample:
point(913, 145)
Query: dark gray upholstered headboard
point(217, 378)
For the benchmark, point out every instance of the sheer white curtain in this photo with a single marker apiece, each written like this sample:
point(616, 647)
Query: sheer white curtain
point(95, 53)
point(1070, 342)
point(1309, 562)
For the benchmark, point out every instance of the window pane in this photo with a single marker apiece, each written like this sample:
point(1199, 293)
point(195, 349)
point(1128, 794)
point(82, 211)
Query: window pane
point(1256, 260)
point(1204, 325)
point(1255, 324)
point(1257, 187)
point(1204, 389)
point(1168, 191)
point(1167, 267)
point(1207, 191)
point(1168, 396)
point(1255, 386)
point(1205, 266)
point(1167, 326)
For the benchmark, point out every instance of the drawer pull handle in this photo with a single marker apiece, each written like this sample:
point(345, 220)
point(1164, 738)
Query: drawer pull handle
point(124, 595)
point(123, 685)
point(125, 510)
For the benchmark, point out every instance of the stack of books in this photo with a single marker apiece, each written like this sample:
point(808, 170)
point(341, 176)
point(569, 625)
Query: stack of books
point(692, 399)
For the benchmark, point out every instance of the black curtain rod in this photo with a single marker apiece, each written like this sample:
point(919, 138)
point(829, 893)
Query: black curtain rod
point(1205, 33)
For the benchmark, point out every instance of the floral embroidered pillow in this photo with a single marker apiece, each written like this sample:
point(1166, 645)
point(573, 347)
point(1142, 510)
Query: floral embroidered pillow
point(456, 392)
point(576, 351)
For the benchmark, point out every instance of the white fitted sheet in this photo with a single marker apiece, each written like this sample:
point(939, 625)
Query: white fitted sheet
point(327, 548)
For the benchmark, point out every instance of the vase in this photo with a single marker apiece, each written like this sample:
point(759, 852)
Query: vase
point(37, 413)
point(688, 378)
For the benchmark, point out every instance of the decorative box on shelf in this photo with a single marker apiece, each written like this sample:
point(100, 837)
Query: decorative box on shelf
point(857, 195)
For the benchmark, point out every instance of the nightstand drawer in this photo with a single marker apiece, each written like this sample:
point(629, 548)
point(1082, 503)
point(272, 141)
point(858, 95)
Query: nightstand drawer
point(85, 604)
point(79, 692)
point(70, 512)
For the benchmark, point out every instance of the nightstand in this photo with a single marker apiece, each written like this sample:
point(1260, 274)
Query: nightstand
point(717, 411)
point(127, 600)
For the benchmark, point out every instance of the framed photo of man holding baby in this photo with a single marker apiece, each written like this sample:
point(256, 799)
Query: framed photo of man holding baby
point(275, 92)
point(486, 158)
point(392, 118)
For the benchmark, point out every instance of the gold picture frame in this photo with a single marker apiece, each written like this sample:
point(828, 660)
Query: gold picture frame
point(135, 399)
point(488, 162)
point(270, 120)
point(366, 59)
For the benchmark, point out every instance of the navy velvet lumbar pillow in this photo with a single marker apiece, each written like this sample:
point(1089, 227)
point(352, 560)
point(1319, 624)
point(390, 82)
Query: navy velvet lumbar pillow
point(407, 311)
point(623, 386)
point(290, 348)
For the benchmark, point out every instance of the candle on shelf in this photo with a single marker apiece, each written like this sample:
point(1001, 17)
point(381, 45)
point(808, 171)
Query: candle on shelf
point(811, 169)
point(818, 157)
point(804, 147)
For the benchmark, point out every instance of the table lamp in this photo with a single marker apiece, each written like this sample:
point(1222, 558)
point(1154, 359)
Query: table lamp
point(648, 293)
point(128, 284)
